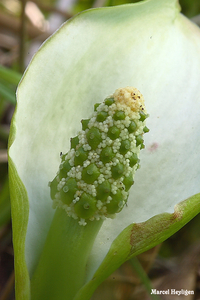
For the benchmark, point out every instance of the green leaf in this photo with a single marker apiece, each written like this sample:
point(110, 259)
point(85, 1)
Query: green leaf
point(9, 75)
point(140, 237)
point(4, 204)
point(20, 211)
point(7, 93)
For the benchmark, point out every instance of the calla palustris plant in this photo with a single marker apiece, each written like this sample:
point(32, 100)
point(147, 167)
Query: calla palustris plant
point(65, 250)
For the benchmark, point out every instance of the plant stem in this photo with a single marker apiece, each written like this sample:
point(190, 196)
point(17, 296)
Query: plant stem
point(22, 36)
point(143, 277)
point(61, 270)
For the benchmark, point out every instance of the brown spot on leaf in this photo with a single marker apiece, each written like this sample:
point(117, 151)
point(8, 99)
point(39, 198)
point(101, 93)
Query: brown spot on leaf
point(153, 147)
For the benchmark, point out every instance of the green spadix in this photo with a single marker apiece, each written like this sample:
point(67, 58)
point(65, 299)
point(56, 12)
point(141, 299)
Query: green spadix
point(99, 165)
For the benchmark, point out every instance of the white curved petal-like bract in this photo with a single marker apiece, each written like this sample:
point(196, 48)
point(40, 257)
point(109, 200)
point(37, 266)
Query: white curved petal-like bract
point(148, 45)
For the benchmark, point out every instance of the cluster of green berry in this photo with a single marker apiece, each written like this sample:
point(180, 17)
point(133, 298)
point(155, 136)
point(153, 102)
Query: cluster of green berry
point(95, 176)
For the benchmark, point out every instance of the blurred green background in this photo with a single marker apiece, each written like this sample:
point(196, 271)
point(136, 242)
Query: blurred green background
point(24, 25)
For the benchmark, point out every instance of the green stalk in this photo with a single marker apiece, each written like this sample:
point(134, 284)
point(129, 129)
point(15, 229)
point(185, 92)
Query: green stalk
point(143, 277)
point(62, 267)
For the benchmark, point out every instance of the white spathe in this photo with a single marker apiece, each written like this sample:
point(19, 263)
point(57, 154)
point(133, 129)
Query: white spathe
point(148, 45)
